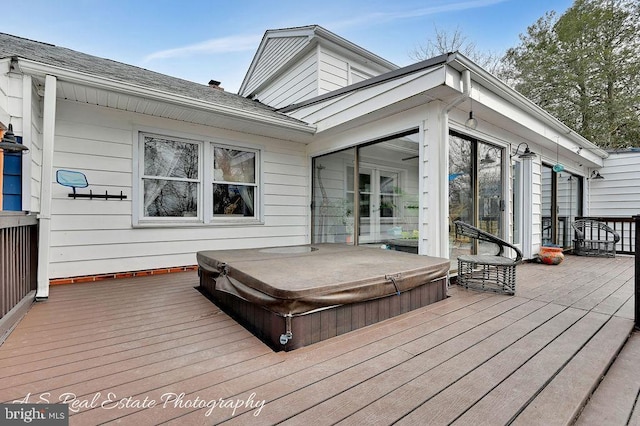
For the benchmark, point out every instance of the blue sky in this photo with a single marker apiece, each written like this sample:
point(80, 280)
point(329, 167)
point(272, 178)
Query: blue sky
point(201, 40)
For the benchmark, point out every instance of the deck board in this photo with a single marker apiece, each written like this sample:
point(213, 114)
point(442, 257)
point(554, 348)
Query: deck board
point(557, 402)
point(504, 401)
point(615, 398)
point(472, 358)
point(458, 397)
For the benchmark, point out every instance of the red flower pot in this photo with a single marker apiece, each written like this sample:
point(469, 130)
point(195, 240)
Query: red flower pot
point(551, 255)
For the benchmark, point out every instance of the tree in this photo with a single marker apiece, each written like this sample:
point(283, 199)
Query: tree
point(456, 41)
point(582, 67)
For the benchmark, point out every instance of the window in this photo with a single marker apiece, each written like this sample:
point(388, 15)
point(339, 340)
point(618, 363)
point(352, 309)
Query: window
point(234, 182)
point(190, 181)
point(171, 178)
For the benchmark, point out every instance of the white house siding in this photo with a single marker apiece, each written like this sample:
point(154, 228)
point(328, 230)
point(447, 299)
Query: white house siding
point(299, 83)
point(4, 95)
point(96, 236)
point(333, 72)
point(11, 111)
point(276, 53)
point(336, 71)
point(618, 194)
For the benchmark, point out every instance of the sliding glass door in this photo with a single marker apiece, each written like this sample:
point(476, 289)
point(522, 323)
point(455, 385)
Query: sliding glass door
point(561, 204)
point(368, 194)
point(475, 189)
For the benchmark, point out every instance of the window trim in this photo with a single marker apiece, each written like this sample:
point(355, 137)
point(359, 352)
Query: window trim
point(205, 216)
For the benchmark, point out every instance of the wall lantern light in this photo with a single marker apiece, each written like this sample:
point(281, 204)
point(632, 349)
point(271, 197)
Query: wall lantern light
point(527, 153)
point(10, 143)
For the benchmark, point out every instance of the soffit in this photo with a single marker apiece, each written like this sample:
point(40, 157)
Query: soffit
point(84, 94)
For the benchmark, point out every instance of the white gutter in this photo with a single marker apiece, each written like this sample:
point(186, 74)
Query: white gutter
point(46, 182)
point(63, 74)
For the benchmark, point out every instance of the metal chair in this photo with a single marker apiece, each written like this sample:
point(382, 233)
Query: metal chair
point(487, 272)
point(594, 238)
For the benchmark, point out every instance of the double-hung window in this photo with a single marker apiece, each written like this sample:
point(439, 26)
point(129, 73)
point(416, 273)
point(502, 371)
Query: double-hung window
point(196, 181)
point(234, 182)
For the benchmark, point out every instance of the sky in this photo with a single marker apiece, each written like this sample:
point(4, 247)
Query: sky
point(202, 40)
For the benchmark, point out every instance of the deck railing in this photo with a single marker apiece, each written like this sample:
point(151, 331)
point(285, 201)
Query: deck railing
point(625, 226)
point(18, 258)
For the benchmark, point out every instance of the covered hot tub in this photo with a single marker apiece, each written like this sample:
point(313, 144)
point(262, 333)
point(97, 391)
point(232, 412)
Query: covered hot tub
point(294, 296)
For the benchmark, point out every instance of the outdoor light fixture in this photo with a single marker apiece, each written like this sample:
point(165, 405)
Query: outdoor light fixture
point(596, 175)
point(10, 143)
point(527, 153)
point(471, 123)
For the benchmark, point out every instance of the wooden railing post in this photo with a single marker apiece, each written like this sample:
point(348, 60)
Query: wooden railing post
point(637, 273)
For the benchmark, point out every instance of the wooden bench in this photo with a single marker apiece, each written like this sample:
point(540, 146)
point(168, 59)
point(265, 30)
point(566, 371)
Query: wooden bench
point(594, 238)
point(487, 272)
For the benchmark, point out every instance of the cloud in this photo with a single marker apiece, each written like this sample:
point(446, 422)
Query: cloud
point(249, 42)
point(376, 18)
point(236, 43)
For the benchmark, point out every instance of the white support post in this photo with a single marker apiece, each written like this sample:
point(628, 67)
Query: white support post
point(434, 200)
point(27, 95)
point(527, 203)
point(48, 139)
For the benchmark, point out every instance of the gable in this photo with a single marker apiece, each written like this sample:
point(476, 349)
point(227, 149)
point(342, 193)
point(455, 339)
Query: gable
point(277, 51)
point(285, 54)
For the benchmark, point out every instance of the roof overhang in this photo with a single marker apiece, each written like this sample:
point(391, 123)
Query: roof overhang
point(441, 79)
point(87, 88)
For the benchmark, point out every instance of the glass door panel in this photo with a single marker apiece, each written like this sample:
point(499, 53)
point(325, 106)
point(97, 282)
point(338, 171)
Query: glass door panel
point(475, 192)
point(332, 202)
point(378, 195)
point(461, 190)
point(389, 187)
point(548, 216)
point(380, 204)
point(561, 203)
point(490, 201)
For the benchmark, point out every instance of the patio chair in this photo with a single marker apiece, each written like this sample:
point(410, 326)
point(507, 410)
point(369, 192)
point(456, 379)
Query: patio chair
point(487, 272)
point(594, 238)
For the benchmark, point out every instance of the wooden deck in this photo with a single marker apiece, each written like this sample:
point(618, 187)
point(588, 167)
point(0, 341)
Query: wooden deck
point(150, 350)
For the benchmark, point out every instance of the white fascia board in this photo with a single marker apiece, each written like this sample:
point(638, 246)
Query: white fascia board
point(39, 69)
point(336, 111)
point(510, 95)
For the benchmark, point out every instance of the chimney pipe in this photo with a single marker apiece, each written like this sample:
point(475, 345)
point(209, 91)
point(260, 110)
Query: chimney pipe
point(215, 85)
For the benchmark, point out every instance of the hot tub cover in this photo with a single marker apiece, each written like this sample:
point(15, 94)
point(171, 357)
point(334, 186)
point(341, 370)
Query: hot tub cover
point(299, 279)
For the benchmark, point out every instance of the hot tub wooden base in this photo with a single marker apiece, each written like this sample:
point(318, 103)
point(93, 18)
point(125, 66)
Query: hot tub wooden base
point(322, 324)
